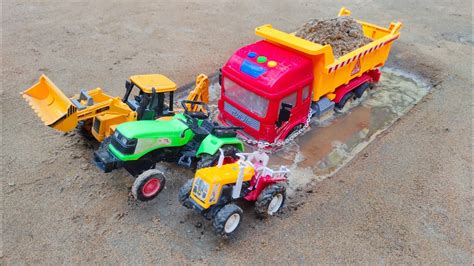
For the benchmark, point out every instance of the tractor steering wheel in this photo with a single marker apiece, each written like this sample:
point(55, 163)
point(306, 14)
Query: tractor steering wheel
point(193, 107)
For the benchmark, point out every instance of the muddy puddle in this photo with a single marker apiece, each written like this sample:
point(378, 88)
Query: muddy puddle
point(331, 142)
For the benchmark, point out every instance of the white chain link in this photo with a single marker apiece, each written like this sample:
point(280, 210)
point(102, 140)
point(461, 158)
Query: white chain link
point(262, 145)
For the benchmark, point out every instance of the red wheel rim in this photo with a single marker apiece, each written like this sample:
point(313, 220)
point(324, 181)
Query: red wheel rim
point(151, 187)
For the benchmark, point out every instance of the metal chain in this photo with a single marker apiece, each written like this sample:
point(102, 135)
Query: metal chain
point(262, 145)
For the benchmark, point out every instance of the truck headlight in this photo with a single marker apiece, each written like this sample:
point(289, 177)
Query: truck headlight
point(200, 189)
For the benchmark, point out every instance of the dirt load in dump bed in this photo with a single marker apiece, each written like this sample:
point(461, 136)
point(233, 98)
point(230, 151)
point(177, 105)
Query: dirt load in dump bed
point(344, 34)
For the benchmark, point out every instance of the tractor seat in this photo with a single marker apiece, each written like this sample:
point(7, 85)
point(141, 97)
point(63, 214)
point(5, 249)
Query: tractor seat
point(225, 131)
point(204, 130)
point(221, 132)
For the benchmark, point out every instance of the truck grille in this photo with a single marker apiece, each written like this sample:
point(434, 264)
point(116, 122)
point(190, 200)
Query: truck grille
point(255, 124)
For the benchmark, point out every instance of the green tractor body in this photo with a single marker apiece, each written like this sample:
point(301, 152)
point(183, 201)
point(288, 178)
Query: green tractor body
point(188, 139)
point(150, 135)
point(172, 132)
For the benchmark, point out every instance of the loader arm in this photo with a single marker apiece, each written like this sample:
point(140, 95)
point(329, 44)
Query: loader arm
point(200, 93)
point(58, 111)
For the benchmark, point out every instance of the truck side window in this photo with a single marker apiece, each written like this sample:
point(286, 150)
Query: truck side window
point(284, 112)
point(305, 93)
point(290, 99)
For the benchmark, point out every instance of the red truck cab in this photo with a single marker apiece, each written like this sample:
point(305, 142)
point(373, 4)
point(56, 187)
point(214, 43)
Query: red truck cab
point(266, 89)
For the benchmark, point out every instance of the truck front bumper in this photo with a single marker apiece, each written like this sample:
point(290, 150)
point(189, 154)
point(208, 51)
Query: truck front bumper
point(106, 161)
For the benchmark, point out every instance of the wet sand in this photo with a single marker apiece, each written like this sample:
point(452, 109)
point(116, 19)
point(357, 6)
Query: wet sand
point(404, 199)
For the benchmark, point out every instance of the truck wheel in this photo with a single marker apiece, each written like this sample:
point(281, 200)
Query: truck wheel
point(270, 200)
point(208, 160)
point(148, 185)
point(227, 219)
point(294, 129)
point(340, 105)
point(184, 192)
point(359, 91)
point(84, 129)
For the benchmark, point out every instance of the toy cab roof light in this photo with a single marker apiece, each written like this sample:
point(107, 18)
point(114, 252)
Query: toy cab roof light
point(272, 64)
point(252, 54)
point(261, 59)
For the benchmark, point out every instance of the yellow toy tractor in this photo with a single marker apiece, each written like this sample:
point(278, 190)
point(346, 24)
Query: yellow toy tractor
point(214, 190)
point(98, 113)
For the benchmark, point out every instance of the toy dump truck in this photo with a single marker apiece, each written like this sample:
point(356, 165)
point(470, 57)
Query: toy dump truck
point(98, 113)
point(273, 87)
point(214, 190)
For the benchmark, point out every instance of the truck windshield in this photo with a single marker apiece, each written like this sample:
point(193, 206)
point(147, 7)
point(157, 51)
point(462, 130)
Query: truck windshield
point(245, 98)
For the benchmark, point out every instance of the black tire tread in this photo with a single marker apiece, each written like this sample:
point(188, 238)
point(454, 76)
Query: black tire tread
point(208, 160)
point(340, 105)
point(222, 215)
point(266, 196)
point(185, 191)
point(140, 181)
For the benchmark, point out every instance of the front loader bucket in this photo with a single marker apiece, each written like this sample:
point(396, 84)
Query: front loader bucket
point(51, 105)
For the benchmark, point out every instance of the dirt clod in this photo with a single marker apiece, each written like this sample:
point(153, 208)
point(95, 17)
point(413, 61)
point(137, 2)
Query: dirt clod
point(344, 34)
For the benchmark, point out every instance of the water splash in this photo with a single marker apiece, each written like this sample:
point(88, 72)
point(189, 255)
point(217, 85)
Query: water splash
point(336, 139)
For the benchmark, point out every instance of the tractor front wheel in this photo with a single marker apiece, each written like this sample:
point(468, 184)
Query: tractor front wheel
point(184, 192)
point(270, 200)
point(227, 219)
point(208, 160)
point(148, 185)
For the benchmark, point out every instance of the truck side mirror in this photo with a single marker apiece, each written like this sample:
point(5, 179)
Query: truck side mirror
point(220, 77)
point(284, 114)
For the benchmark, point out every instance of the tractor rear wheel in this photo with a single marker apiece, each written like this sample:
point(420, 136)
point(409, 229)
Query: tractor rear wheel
point(270, 200)
point(208, 160)
point(227, 219)
point(148, 185)
point(185, 192)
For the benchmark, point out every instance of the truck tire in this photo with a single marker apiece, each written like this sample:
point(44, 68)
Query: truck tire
point(340, 105)
point(208, 160)
point(185, 192)
point(294, 129)
point(270, 200)
point(148, 185)
point(359, 91)
point(84, 129)
point(227, 220)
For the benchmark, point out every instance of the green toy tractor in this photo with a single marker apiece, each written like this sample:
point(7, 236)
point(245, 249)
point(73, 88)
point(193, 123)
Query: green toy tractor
point(189, 139)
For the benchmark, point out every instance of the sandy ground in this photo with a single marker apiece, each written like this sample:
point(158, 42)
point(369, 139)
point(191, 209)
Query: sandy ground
point(407, 200)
